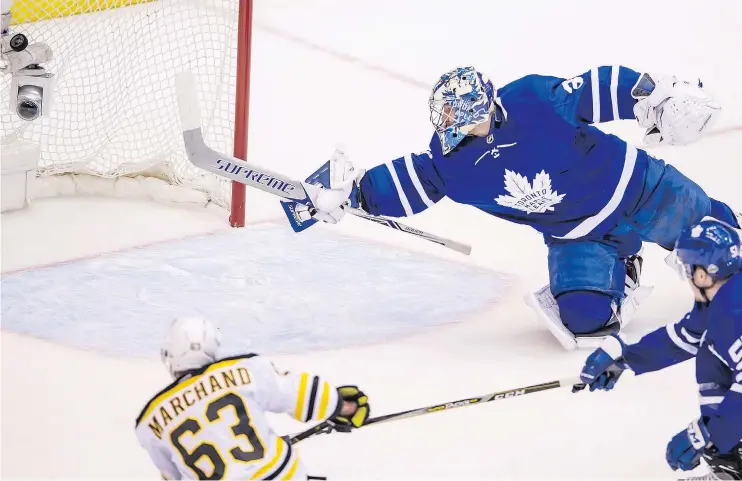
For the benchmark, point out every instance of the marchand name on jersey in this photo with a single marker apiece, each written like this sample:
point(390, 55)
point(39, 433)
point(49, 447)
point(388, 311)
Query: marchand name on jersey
point(198, 388)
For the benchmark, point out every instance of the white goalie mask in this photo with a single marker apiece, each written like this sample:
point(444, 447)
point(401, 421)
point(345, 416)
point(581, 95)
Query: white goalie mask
point(191, 343)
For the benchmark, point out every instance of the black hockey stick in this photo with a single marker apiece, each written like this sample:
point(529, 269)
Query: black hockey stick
point(328, 427)
point(238, 170)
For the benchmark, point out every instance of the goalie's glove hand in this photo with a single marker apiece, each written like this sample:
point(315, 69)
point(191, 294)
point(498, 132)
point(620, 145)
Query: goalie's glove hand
point(338, 181)
point(353, 409)
point(605, 365)
point(674, 111)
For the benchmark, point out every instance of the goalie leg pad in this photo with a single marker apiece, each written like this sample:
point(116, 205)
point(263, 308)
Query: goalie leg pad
point(591, 265)
point(596, 271)
point(547, 310)
point(584, 312)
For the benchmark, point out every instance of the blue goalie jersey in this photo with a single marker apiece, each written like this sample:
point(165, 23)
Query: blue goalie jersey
point(712, 333)
point(544, 164)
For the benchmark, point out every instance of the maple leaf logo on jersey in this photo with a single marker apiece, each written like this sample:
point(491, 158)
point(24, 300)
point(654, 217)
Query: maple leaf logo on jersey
point(537, 198)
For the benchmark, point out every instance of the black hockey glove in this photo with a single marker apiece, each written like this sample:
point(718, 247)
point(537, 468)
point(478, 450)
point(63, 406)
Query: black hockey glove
point(346, 421)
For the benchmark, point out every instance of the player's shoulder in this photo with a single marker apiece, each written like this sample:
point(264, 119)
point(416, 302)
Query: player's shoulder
point(529, 87)
point(247, 360)
point(725, 314)
point(730, 294)
point(531, 94)
point(736, 281)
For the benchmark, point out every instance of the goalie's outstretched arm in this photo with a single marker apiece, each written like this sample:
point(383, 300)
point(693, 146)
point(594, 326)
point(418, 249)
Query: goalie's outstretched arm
point(327, 194)
point(403, 187)
point(672, 110)
point(399, 188)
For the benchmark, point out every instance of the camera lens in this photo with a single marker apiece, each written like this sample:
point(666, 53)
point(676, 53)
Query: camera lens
point(28, 110)
point(18, 42)
point(29, 102)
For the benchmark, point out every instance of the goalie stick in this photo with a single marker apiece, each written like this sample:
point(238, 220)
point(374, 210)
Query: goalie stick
point(328, 427)
point(223, 165)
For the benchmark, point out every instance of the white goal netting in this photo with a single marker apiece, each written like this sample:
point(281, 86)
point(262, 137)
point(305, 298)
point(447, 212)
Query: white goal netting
point(115, 111)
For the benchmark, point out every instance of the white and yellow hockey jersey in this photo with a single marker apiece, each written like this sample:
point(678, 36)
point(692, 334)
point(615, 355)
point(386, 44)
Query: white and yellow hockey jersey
point(212, 424)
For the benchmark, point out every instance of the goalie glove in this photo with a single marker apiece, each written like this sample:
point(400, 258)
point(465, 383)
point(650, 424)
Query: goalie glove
point(339, 179)
point(674, 111)
point(334, 187)
point(351, 398)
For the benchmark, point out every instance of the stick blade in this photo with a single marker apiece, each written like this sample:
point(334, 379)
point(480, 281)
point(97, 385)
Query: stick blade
point(185, 86)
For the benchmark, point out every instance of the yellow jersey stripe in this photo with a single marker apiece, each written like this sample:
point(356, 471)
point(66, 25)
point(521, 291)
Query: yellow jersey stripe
point(290, 473)
point(270, 464)
point(324, 400)
point(182, 385)
point(299, 411)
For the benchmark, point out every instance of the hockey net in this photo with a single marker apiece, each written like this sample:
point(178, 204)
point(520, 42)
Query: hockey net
point(115, 113)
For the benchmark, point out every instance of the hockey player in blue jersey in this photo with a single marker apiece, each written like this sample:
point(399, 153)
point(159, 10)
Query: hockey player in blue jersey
point(712, 333)
point(528, 153)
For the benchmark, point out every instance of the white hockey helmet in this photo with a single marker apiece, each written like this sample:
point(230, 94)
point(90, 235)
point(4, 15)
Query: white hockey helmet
point(191, 343)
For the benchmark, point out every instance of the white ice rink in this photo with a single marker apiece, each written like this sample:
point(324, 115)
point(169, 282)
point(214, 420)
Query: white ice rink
point(359, 73)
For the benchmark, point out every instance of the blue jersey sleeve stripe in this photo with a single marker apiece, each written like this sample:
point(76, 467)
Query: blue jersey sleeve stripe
point(706, 400)
point(380, 194)
point(718, 391)
point(614, 91)
point(408, 186)
point(736, 387)
point(603, 96)
point(604, 89)
point(675, 338)
point(416, 180)
point(595, 91)
point(706, 386)
point(400, 192)
point(403, 186)
point(689, 337)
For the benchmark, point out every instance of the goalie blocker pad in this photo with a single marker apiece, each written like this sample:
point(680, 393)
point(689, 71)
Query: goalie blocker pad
point(298, 214)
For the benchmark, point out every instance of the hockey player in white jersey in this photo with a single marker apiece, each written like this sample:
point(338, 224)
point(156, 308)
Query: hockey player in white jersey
point(210, 422)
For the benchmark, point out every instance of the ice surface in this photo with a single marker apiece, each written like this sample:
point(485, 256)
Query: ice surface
point(268, 289)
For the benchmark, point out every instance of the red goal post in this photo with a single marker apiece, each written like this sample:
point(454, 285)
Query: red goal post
point(242, 107)
point(114, 123)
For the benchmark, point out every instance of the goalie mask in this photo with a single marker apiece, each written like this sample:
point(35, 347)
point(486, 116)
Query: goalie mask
point(462, 99)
